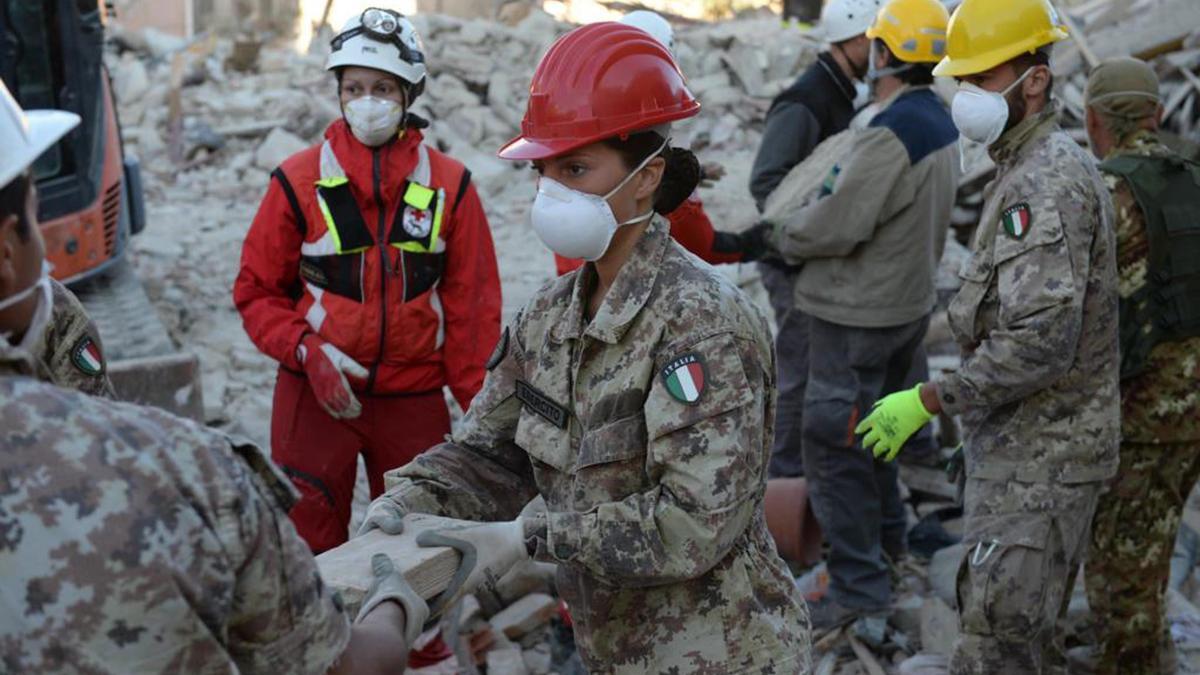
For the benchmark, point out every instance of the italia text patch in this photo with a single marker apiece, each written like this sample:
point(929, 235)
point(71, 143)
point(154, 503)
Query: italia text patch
point(87, 357)
point(1017, 220)
point(541, 404)
point(684, 378)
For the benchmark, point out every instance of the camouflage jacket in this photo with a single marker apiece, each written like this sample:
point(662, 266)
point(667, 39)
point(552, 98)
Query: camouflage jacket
point(648, 432)
point(1037, 317)
point(132, 541)
point(1162, 405)
point(70, 348)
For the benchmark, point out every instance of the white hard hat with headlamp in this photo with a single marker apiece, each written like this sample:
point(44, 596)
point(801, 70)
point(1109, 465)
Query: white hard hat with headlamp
point(384, 40)
point(26, 135)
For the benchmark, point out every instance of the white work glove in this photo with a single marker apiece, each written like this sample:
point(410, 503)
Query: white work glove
point(385, 515)
point(327, 367)
point(390, 584)
point(489, 551)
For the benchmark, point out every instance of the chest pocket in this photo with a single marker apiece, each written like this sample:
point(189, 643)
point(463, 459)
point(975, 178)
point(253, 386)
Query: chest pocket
point(334, 262)
point(416, 232)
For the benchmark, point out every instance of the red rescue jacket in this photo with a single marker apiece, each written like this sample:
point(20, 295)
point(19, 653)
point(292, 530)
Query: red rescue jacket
point(386, 254)
point(690, 227)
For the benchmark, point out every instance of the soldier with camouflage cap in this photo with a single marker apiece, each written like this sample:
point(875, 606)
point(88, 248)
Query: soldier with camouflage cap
point(132, 541)
point(1155, 192)
point(636, 394)
point(1037, 322)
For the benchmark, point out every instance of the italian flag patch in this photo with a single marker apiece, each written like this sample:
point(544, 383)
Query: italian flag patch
point(86, 357)
point(1017, 220)
point(684, 378)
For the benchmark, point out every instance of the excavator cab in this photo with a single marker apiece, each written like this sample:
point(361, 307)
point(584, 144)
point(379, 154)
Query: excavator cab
point(52, 56)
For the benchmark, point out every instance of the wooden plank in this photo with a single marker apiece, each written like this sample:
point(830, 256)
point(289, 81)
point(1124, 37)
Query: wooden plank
point(347, 568)
point(1080, 39)
point(525, 615)
point(865, 657)
point(1144, 34)
point(827, 664)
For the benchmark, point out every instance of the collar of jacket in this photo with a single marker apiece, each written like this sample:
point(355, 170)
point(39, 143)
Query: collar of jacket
point(628, 294)
point(398, 158)
point(1010, 145)
point(15, 361)
point(1140, 142)
point(831, 68)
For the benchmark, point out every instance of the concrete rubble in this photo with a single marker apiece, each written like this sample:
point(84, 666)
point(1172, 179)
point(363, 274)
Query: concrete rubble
point(209, 130)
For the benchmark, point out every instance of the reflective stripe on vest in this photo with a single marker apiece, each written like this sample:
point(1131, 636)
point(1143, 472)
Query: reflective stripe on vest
point(345, 229)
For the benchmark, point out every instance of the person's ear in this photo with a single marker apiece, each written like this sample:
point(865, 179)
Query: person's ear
point(8, 255)
point(1036, 84)
point(650, 178)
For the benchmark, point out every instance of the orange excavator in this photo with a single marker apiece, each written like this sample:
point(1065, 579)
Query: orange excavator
point(90, 193)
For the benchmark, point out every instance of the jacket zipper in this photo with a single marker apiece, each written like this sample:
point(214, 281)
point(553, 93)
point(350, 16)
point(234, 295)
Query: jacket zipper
point(381, 244)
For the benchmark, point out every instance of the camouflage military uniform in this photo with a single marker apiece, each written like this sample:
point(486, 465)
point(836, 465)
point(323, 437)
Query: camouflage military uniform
point(1137, 519)
point(1037, 391)
point(70, 349)
point(135, 542)
point(648, 432)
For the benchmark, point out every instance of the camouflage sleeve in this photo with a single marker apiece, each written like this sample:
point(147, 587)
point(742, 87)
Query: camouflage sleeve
point(481, 473)
point(709, 458)
point(1041, 283)
point(284, 618)
point(71, 348)
point(1133, 246)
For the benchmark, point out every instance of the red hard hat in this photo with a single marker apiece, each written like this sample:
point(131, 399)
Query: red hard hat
point(596, 82)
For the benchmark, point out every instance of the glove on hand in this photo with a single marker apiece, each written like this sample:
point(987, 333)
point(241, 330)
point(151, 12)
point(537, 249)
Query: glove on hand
point(383, 514)
point(893, 419)
point(390, 584)
point(755, 241)
point(489, 550)
point(327, 367)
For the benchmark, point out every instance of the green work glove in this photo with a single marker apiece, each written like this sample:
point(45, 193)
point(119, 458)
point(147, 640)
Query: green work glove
point(893, 419)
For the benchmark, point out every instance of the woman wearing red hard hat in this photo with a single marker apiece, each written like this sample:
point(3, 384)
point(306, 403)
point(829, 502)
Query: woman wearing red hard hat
point(635, 394)
point(370, 276)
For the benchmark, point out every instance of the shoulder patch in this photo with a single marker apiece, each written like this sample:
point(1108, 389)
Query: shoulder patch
point(1017, 219)
point(684, 378)
point(499, 352)
point(86, 356)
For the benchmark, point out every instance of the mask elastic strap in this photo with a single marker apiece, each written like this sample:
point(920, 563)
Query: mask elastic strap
point(644, 164)
point(1019, 80)
point(19, 296)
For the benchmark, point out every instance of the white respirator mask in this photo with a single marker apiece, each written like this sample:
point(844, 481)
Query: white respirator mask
point(373, 121)
point(979, 114)
point(578, 224)
point(41, 315)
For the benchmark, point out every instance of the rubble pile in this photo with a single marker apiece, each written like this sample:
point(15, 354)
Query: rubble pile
point(211, 118)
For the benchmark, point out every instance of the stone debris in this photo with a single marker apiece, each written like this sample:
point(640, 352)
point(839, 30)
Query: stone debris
point(243, 104)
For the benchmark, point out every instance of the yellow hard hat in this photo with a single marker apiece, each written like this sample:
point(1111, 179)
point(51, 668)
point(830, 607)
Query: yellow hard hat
point(986, 33)
point(915, 30)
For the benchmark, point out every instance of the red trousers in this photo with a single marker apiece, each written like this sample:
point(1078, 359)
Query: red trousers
point(320, 454)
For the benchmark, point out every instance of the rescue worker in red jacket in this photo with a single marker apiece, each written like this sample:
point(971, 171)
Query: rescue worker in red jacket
point(690, 225)
point(369, 274)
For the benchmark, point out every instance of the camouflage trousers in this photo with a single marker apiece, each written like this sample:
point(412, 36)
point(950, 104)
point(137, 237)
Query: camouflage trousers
point(1133, 536)
point(1024, 542)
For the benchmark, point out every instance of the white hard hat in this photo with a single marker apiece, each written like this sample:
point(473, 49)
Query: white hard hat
point(653, 23)
point(845, 19)
point(26, 135)
point(384, 40)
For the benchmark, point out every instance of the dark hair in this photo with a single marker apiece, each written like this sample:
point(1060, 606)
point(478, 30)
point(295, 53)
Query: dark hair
point(915, 74)
point(14, 200)
point(1041, 57)
point(680, 177)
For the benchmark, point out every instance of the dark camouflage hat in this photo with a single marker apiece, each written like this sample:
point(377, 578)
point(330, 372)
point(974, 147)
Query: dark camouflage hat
point(1123, 87)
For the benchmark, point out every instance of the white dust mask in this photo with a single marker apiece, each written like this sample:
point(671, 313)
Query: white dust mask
point(578, 224)
point(979, 114)
point(41, 315)
point(373, 121)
